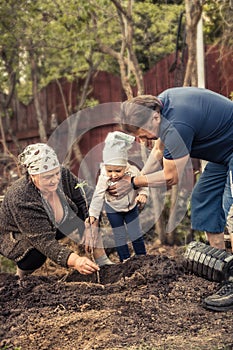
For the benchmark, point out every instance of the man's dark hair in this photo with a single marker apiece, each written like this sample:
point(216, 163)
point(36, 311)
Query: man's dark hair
point(136, 111)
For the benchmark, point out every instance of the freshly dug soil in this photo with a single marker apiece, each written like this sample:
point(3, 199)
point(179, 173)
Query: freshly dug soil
point(145, 303)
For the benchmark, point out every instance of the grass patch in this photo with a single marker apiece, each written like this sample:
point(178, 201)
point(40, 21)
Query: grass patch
point(7, 265)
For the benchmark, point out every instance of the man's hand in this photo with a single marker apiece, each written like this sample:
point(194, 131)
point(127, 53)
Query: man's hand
point(121, 188)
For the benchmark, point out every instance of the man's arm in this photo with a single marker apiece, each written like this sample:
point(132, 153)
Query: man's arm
point(170, 174)
point(154, 161)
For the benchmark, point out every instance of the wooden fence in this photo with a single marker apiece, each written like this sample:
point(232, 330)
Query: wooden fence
point(107, 88)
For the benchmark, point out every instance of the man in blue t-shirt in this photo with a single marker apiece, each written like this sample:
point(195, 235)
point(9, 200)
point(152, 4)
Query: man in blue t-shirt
point(189, 122)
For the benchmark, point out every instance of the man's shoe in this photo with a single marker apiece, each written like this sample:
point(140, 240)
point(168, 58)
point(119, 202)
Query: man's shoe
point(222, 300)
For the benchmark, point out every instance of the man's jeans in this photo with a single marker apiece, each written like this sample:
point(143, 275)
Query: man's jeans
point(212, 199)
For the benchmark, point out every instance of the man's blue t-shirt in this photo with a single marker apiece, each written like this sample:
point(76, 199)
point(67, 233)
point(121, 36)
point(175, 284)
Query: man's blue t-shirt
point(196, 121)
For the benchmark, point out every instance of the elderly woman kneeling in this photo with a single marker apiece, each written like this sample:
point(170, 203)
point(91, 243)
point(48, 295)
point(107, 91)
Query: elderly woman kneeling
point(40, 208)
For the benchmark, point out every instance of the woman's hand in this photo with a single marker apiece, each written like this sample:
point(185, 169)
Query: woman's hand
point(121, 187)
point(82, 264)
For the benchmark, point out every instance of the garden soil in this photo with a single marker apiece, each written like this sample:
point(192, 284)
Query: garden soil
point(145, 303)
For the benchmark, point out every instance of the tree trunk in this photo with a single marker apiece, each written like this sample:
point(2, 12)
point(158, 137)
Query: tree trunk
point(157, 202)
point(35, 90)
point(3, 136)
point(126, 58)
point(75, 149)
point(193, 15)
point(128, 30)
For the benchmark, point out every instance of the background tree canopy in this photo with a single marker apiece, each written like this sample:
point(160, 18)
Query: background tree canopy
point(42, 41)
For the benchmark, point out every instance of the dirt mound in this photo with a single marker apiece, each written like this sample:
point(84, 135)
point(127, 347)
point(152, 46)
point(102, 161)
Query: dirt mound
point(146, 303)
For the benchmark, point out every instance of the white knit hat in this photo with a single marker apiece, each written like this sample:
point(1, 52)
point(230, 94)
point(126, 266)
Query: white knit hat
point(38, 158)
point(116, 148)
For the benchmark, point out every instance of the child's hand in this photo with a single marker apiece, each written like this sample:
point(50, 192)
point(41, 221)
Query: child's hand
point(90, 235)
point(141, 200)
point(90, 221)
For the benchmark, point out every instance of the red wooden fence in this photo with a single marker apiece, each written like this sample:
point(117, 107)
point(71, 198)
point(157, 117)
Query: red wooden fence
point(107, 88)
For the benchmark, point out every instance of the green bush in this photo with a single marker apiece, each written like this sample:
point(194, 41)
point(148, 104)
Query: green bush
point(7, 266)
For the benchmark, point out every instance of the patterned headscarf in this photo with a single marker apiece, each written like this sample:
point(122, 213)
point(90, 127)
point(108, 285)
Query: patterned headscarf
point(116, 148)
point(38, 158)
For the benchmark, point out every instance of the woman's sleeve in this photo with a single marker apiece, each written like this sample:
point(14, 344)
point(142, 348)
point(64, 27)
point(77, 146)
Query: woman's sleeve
point(37, 227)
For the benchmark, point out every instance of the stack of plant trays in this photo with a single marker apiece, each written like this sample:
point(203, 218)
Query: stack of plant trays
point(208, 262)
